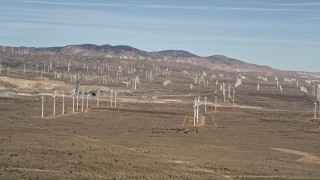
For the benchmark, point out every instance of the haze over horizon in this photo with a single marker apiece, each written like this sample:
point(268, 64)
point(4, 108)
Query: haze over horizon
point(282, 34)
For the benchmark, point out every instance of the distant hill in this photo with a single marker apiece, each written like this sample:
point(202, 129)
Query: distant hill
point(176, 54)
point(127, 52)
point(230, 64)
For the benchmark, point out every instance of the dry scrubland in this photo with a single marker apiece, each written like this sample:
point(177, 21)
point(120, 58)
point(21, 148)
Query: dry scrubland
point(148, 140)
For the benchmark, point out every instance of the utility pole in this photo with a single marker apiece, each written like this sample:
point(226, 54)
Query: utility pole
point(115, 99)
point(54, 105)
point(111, 92)
point(82, 103)
point(42, 107)
point(87, 100)
point(205, 104)
point(215, 104)
point(198, 102)
point(224, 92)
point(63, 103)
point(229, 92)
point(315, 110)
point(194, 114)
point(77, 101)
point(98, 98)
point(234, 93)
point(73, 103)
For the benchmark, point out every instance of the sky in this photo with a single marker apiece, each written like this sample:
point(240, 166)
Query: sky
point(284, 34)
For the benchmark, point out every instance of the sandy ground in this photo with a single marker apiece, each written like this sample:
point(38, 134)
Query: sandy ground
point(155, 141)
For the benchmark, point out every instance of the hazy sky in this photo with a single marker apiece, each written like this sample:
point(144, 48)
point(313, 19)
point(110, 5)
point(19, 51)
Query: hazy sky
point(283, 34)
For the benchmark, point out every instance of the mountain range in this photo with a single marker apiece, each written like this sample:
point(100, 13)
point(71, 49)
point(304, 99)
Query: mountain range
point(130, 53)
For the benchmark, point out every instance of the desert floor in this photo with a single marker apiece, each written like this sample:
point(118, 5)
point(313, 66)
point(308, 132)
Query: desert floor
point(155, 140)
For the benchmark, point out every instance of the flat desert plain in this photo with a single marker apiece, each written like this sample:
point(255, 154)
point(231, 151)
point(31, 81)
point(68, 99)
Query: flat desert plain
point(155, 140)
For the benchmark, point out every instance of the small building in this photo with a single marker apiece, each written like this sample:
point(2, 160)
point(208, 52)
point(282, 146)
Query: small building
point(8, 91)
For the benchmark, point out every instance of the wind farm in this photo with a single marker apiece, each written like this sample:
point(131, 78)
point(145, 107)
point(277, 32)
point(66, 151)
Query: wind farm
point(80, 113)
